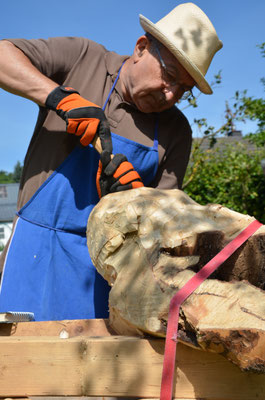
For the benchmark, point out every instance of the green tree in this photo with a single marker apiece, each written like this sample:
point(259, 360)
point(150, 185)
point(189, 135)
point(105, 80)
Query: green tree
point(17, 171)
point(231, 176)
point(6, 177)
point(11, 177)
point(254, 109)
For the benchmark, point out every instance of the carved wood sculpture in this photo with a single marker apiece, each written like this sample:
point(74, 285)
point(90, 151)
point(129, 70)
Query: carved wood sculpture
point(147, 243)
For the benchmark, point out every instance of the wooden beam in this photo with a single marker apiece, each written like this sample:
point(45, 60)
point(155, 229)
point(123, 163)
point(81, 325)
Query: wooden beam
point(116, 366)
point(62, 329)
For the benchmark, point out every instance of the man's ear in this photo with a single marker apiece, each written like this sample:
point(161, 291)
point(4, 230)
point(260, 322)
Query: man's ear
point(141, 46)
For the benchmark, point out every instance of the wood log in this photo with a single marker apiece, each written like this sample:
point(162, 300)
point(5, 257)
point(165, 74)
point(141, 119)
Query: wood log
point(147, 243)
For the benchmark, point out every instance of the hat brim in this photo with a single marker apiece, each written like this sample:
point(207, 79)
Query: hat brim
point(190, 67)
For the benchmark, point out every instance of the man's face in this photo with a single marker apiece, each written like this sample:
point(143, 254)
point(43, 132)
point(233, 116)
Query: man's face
point(151, 87)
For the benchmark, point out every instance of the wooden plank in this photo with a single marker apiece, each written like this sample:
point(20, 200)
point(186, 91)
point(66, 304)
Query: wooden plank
point(63, 329)
point(116, 366)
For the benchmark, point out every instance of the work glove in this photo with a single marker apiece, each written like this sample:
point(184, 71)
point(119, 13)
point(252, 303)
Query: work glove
point(116, 174)
point(83, 118)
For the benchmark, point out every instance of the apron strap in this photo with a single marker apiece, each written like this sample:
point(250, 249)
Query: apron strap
point(113, 86)
point(155, 146)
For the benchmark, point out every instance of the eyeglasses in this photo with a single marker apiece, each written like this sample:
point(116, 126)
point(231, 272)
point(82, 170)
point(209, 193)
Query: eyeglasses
point(170, 79)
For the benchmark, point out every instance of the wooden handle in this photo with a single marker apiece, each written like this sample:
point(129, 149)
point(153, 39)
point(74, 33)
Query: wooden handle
point(97, 144)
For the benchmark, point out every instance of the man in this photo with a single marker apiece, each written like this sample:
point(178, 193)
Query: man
point(47, 268)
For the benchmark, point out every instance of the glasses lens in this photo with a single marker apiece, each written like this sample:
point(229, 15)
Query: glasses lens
point(187, 95)
point(169, 78)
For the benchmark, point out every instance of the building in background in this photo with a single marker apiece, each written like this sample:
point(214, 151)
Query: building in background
point(231, 138)
point(8, 208)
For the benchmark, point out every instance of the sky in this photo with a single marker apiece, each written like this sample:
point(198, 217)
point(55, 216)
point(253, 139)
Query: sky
point(115, 24)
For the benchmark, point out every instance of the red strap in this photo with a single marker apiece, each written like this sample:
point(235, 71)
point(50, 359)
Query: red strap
point(182, 294)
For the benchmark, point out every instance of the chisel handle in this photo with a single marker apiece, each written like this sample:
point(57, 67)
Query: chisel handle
point(97, 145)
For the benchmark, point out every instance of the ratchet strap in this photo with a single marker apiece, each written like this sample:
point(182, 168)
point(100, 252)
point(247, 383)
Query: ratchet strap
point(181, 296)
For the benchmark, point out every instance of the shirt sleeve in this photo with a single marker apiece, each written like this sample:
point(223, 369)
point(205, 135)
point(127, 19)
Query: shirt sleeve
point(54, 57)
point(176, 139)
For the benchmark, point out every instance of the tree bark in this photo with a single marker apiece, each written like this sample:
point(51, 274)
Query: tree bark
point(147, 243)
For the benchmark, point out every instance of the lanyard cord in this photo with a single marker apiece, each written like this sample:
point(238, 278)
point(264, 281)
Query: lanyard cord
point(155, 146)
point(181, 296)
point(113, 86)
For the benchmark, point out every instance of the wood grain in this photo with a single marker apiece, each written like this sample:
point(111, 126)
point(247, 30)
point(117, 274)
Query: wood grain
point(116, 366)
point(148, 243)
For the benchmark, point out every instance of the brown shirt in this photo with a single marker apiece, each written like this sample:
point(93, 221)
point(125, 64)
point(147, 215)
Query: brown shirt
point(91, 69)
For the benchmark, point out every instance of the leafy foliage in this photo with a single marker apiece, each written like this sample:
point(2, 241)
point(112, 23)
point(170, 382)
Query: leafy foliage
point(11, 177)
point(247, 107)
point(17, 172)
point(231, 175)
point(6, 177)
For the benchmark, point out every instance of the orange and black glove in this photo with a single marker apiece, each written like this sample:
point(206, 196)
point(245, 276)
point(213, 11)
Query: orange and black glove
point(116, 174)
point(82, 117)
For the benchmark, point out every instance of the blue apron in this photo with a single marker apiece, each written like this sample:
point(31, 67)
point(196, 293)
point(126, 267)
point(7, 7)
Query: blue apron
point(48, 269)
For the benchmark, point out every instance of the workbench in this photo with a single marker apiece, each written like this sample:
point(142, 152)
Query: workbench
point(85, 358)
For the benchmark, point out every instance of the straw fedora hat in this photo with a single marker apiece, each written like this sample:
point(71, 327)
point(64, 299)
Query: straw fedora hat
point(189, 34)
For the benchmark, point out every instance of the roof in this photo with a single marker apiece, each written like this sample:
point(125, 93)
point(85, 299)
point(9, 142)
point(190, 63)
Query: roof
point(8, 201)
point(222, 142)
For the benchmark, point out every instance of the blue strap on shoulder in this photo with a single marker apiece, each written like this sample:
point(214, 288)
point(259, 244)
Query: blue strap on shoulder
point(155, 146)
point(113, 86)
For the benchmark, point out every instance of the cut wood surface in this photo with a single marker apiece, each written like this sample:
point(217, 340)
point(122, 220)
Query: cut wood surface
point(148, 243)
point(117, 366)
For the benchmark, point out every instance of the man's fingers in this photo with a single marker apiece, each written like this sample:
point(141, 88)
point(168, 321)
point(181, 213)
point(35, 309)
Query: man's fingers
point(114, 164)
point(117, 187)
point(117, 174)
point(90, 131)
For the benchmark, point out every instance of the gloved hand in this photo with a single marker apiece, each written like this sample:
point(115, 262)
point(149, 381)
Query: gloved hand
point(82, 117)
point(116, 174)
